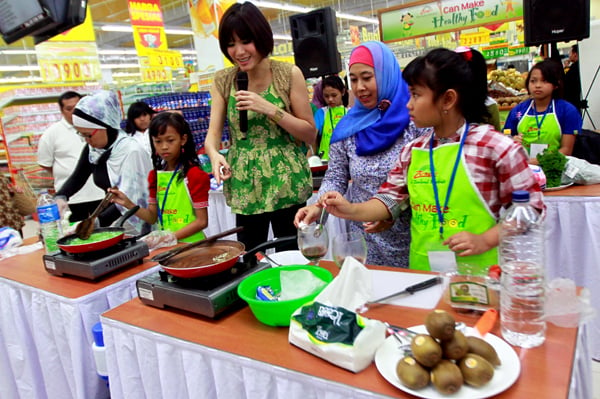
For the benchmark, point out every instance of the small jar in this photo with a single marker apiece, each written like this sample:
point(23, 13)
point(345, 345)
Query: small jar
point(471, 289)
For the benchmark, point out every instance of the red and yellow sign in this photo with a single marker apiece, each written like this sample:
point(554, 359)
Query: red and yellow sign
point(148, 28)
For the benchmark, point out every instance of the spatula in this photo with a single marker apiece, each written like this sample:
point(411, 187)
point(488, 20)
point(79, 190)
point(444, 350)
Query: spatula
point(85, 228)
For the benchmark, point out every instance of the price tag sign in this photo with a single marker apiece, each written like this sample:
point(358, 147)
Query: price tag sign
point(165, 58)
point(66, 70)
point(152, 74)
point(472, 39)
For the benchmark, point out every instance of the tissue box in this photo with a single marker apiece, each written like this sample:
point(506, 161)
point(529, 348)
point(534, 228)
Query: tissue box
point(337, 335)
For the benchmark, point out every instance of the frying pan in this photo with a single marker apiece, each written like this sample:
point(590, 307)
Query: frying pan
point(64, 242)
point(205, 259)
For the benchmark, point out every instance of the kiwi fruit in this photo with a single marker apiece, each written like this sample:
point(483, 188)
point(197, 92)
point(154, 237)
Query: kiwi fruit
point(440, 324)
point(483, 349)
point(411, 373)
point(426, 350)
point(455, 348)
point(446, 377)
point(475, 370)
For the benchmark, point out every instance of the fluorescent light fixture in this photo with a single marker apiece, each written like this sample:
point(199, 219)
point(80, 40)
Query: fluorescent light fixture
point(125, 74)
point(281, 37)
point(289, 7)
point(117, 52)
point(129, 28)
point(27, 79)
point(17, 52)
point(120, 66)
point(18, 68)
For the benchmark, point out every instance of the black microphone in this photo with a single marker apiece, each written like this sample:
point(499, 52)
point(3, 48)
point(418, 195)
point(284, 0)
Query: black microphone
point(242, 84)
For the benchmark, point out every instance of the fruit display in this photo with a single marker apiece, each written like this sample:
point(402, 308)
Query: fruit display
point(509, 78)
point(446, 358)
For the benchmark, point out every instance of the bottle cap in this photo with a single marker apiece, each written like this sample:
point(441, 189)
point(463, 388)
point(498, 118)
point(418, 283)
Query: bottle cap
point(520, 196)
point(97, 332)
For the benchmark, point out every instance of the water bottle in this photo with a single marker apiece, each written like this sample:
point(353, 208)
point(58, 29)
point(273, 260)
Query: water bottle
point(521, 254)
point(49, 218)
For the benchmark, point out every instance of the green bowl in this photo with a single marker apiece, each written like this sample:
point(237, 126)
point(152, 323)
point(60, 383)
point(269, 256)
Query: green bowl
point(276, 313)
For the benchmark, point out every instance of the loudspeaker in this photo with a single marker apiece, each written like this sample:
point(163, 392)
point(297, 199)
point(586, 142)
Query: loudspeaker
point(548, 21)
point(315, 46)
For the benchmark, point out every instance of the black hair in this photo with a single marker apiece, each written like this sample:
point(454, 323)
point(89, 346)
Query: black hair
point(337, 83)
point(158, 126)
point(441, 70)
point(134, 111)
point(575, 48)
point(67, 95)
point(249, 24)
point(552, 72)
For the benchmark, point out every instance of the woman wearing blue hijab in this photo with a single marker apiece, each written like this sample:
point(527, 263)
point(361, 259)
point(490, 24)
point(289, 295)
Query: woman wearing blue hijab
point(365, 145)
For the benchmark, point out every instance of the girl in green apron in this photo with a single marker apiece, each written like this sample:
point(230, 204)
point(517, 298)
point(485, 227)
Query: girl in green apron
point(178, 186)
point(456, 179)
point(545, 121)
point(336, 96)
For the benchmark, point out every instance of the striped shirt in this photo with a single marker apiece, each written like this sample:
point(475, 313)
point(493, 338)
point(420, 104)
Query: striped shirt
point(497, 165)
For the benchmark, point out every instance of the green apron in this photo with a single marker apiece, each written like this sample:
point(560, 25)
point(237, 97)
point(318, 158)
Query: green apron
point(540, 129)
point(331, 119)
point(177, 211)
point(466, 210)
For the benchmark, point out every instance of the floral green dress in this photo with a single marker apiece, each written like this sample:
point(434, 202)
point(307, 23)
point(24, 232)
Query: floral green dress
point(269, 171)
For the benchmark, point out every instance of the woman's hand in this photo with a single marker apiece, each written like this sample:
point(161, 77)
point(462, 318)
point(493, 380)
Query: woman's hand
point(379, 226)
point(250, 101)
point(307, 215)
point(336, 204)
point(220, 168)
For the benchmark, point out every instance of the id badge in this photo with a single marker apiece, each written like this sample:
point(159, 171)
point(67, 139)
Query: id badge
point(441, 259)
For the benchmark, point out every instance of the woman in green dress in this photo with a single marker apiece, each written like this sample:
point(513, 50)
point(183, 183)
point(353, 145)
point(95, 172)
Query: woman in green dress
point(266, 176)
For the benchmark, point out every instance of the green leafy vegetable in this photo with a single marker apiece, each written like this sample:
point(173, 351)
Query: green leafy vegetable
point(552, 163)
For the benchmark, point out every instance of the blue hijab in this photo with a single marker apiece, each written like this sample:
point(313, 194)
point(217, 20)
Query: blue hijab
point(377, 129)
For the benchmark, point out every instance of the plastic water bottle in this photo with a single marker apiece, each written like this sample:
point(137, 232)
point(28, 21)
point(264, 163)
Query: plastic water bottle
point(49, 218)
point(522, 280)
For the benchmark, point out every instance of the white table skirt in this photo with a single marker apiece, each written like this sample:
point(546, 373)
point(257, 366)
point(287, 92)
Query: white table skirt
point(46, 340)
point(573, 250)
point(144, 364)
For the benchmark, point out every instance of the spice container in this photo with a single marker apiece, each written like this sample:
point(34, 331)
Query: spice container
point(471, 289)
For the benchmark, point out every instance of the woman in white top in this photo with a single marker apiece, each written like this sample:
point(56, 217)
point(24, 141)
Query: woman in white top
point(139, 116)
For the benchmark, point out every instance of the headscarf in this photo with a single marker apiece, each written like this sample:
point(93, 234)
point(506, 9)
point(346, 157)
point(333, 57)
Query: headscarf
point(98, 111)
point(378, 128)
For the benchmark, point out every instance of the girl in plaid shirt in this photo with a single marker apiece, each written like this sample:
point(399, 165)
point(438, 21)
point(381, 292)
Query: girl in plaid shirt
point(456, 179)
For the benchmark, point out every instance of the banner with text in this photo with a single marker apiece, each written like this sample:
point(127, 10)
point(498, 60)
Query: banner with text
point(71, 56)
point(435, 17)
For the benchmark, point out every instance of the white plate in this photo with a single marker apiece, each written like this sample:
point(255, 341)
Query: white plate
point(559, 187)
point(505, 375)
point(288, 258)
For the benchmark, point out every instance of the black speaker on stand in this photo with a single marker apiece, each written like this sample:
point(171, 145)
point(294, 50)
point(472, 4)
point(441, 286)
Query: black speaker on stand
point(315, 46)
point(551, 21)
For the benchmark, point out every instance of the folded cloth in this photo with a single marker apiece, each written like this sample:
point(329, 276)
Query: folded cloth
point(330, 328)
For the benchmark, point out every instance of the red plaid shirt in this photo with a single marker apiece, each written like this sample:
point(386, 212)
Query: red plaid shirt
point(497, 165)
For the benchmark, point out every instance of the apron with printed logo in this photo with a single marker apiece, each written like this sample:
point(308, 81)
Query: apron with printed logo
point(540, 128)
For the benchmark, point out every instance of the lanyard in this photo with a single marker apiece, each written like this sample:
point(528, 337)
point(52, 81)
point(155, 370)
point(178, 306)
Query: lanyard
point(537, 121)
point(331, 116)
point(164, 201)
point(440, 211)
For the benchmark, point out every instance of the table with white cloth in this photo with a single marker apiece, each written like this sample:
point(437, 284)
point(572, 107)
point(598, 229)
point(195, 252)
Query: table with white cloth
point(46, 328)
point(166, 353)
point(573, 244)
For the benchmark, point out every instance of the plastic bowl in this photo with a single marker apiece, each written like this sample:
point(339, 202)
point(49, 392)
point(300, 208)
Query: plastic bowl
point(276, 313)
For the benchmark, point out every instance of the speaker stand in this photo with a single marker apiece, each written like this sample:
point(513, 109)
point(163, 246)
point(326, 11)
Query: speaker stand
point(584, 102)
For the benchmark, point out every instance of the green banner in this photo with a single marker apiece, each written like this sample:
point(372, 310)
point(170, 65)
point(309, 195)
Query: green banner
point(431, 18)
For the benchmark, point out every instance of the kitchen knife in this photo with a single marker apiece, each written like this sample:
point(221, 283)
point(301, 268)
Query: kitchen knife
point(411, 289)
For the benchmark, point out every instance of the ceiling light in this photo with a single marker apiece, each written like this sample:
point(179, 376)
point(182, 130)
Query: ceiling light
point(120, 66)
point(303, 10)
point(27, 79)
point(17, 52)
point(117, 52)
point(18, 68)
point(129, 28)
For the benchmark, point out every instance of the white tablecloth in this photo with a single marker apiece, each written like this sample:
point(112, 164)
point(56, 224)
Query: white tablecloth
point(46, 340)
point(147, 365)
point(573, 249)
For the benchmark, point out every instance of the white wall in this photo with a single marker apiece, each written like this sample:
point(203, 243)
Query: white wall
point(589, 62)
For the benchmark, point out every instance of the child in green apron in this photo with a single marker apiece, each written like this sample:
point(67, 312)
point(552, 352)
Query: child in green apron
point(178, 186)
point(456, 179)
point(545, 121)
point(326, 118)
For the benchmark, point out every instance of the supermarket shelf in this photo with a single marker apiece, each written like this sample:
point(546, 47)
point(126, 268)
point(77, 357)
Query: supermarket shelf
point(29, 99)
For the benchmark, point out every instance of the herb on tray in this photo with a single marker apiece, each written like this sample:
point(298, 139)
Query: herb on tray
point(552, 163)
